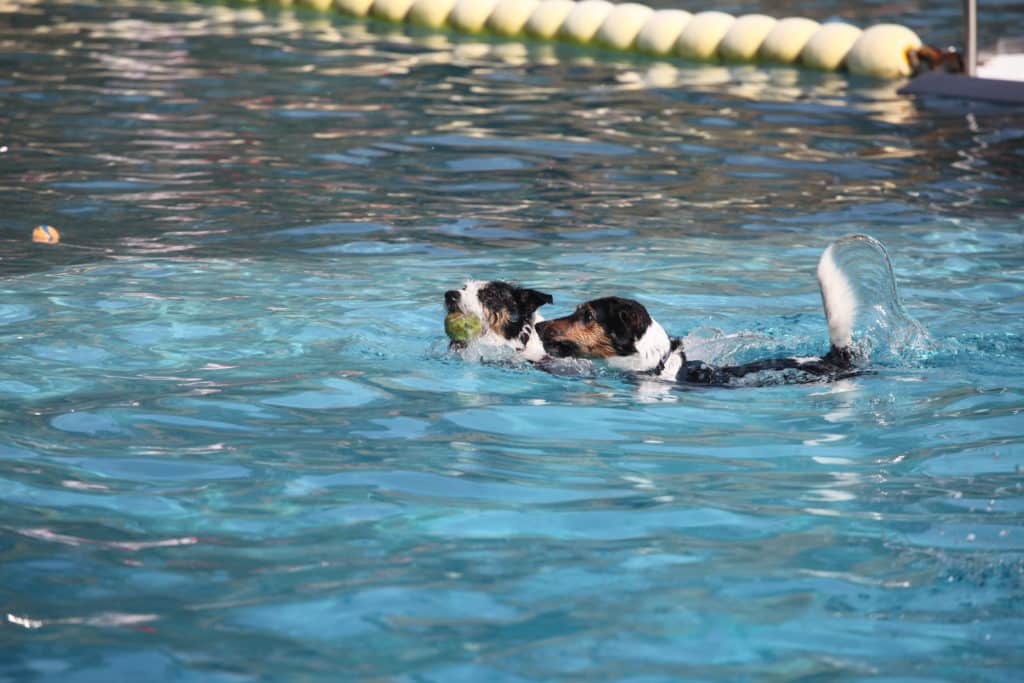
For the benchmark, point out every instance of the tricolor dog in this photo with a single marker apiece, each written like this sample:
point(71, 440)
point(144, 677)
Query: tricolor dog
point(497, 314)
point(622, 333)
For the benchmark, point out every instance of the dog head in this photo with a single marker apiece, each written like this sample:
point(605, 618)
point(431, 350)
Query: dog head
point(504, 310)
point(601, 328)
point(619, 331)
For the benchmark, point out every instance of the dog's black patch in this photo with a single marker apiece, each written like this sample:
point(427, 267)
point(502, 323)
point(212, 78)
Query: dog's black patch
point(519, 302)
point(835, 365)
point(625, 320)
point(451, 300)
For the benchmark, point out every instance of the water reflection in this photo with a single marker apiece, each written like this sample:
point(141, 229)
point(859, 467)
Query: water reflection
point(226, 403)
point(789, 139)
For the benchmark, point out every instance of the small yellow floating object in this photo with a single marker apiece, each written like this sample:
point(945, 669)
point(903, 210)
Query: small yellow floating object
point(45, 234)
point(461, 327)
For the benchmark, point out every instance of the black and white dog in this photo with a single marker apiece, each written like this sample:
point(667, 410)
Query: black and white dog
point(507, 313)
point(623, 334)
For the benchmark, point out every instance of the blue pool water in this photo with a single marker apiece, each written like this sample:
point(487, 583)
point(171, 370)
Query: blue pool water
point(234, 449)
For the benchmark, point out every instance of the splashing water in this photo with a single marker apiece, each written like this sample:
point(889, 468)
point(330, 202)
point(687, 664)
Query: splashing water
point(859, 292)
point(863, 310)
point(717, 347)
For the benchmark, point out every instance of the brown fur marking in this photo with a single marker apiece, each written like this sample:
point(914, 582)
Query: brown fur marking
point(496, 320)
point(589, 338)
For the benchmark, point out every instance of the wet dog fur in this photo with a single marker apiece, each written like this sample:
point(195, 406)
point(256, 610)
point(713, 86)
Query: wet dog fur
point(507, 312)
point(622, 333)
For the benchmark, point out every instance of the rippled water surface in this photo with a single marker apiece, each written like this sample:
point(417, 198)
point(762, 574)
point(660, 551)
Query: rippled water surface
point(233, 447)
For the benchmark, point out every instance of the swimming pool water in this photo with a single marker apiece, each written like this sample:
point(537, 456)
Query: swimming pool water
point(233, 447)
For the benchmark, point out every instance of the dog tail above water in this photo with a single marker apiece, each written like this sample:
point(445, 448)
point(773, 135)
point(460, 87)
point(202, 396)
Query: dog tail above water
point(858, 290)
point(838, 297)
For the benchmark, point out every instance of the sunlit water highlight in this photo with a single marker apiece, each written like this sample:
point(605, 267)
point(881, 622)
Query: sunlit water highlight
point(234, 448)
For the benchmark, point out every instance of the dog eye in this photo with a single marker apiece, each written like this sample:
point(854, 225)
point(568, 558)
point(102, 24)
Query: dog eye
point(588, 316)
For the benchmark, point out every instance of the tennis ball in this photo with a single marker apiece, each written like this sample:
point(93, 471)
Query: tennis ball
point(45, 234)
point(461, 327)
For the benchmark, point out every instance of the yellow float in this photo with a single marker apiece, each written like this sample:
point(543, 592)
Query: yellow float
point(882, 51)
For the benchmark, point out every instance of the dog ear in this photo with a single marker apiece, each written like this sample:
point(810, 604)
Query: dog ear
point(631, 320)
point(530, 300)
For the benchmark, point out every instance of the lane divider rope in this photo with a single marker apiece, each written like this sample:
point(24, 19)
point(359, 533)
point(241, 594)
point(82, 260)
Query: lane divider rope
point(881, 51)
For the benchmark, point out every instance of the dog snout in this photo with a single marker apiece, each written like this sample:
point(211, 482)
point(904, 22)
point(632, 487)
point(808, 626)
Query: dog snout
point(550, 330)
point(451, 300)
point(561, 349)
point(555, 343)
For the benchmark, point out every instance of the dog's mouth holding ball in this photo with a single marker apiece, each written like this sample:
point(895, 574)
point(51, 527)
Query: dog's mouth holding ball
point(460, 325)
point(461, 328)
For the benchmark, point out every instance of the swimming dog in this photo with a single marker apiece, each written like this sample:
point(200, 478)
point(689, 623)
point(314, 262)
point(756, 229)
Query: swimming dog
point(507, 313)
point(623, 334)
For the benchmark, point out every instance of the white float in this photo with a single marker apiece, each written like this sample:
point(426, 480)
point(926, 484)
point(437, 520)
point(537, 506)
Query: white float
point(744, 37)
point(827, 48)
point(548, 17)
point(701, 37)
point(429, 13)
point(787, 39)
point(583, 21)
point(390, 10)
point(882, 51)
point(621, 27)
point(659, 34)
point(510, 16)
point(470, 16)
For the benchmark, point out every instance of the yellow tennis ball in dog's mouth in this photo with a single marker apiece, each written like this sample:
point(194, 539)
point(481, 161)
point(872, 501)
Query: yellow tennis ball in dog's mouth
point(461, 327)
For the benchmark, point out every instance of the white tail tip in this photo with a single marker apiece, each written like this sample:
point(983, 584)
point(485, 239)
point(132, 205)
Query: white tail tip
point(839, 299)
